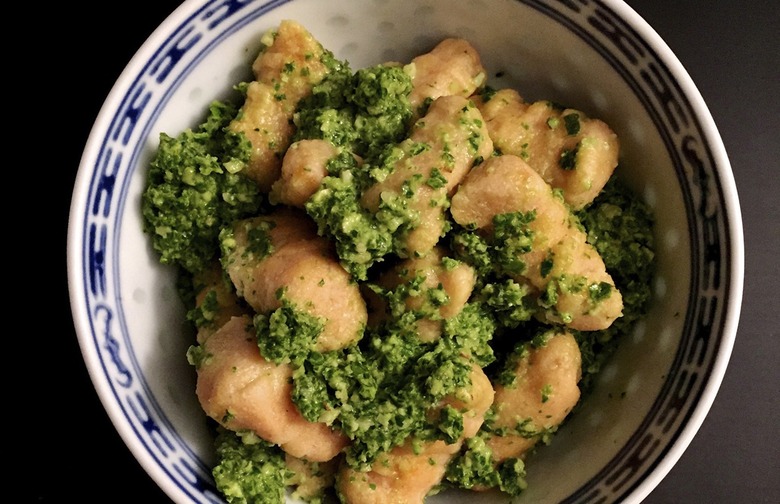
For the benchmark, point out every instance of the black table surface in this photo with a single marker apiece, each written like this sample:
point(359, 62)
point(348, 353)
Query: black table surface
point(731, 50)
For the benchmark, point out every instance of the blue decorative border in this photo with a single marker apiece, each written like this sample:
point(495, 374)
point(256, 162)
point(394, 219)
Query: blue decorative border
point(595, 24)
point(190, 42)
point(710, 286)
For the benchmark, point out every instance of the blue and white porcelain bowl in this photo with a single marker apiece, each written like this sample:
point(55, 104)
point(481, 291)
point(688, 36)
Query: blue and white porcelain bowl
point(598, 54)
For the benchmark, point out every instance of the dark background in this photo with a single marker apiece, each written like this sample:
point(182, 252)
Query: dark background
point(731, 48)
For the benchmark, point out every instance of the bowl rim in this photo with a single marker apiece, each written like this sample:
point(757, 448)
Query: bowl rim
point(665, 54)
point(736, 266)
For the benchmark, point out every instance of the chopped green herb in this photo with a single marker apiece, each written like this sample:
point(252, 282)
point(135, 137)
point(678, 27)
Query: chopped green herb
point(568, 159)
point(572, 123)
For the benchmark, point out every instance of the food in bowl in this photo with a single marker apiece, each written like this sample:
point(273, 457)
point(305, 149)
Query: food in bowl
point(400, 278)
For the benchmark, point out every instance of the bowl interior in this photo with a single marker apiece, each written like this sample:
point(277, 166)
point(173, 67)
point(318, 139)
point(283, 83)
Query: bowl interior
point(597, 57)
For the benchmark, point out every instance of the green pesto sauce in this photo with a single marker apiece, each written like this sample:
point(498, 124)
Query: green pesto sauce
point(568, 160)
point(195, 187)
point(387, 387)
point(364, 114)
point(380, 391)
point(197, 356)
point(474, 468)
point(572, 123)
point(620, 226)
point(502, 252)
point(259, 243)
point(361, 238)
point(203, 315)
point(248, 469)
point(287, 334)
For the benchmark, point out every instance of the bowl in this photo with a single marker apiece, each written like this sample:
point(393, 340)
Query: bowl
point(651, 395)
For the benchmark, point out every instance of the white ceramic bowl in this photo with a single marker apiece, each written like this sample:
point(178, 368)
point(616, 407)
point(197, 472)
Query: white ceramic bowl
point(600, 56)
